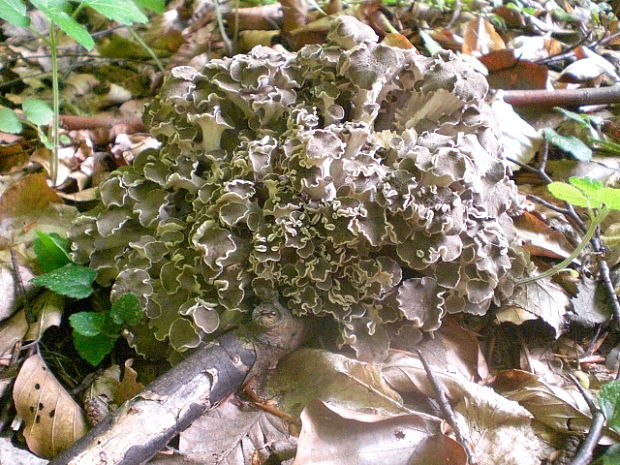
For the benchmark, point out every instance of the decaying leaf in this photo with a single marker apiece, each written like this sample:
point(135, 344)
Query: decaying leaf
point(236, 435)
point(332, 435)
point(129, 385)
point(562, 409)
point(307, 374)
point(543, 299)
point(591, 305)
point(53, 420)
point(501, 429)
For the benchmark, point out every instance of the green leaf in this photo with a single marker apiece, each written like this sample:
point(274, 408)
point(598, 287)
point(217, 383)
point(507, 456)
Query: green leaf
point(568, 193)
point(609, 401)
point(581, 119)
point(14, 11)
point(37, 111)
point(121, 11)
point(570, 144)
point(57, 12)
point(93, 349)
point(9, 121)
point(51, 251)
point(126, 310)
point(71, 280)
point(610, 197)
point(157, 6)
point(87, 323)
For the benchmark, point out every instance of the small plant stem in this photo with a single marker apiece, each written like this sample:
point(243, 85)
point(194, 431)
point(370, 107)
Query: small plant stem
point(596, 221)
point(55, 105)
point(148, 49)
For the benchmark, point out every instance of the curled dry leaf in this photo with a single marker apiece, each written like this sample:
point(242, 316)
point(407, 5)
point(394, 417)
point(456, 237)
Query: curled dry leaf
point(53, 420)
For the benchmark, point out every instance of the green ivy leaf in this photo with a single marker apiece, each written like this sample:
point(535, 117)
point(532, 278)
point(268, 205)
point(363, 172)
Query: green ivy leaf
point(37, 111)
point(87, 323)
point(609, 401)
point(93, 349)
point(126, 310)
point(568, 193)
point(71, 280)
point(51, 251)
point(121, 11)
point(157, 6)
point(14, 11)
point(57, 11)
point(570, 144)
point(9, 122)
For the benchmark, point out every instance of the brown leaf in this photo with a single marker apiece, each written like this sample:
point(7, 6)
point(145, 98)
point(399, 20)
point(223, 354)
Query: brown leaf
point(541, 240)
point(53, 420)
point(12, 157)
point(480, 38)
point(129, 386)
point(506, 72)
point(294, 12)
point(397, 40)
point(29, 194)
point(333, 435)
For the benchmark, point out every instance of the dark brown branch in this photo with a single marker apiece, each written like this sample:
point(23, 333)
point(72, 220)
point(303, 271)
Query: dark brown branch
point(563, 97)
point(586, 450)
point(72, 122)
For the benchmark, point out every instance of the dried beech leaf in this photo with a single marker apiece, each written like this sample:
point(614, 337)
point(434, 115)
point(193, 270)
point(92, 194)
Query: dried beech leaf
point(480, 38)
point(12, 331)
point(129, 386)
point(543, 299)
point(332, 435)
point(560, 408)
point(47, 309)
point(53, 420)
point(307, 374)
point(237, 435)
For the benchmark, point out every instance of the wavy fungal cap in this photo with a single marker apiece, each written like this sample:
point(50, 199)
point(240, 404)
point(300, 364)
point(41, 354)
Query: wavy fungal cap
point(353, 180)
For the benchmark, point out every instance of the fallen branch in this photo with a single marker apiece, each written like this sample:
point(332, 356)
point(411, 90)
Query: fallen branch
point(563, 97)
point(145, 424)
point(73, 122)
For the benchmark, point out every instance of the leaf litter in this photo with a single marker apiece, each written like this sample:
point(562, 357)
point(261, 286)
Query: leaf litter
point(520, 48)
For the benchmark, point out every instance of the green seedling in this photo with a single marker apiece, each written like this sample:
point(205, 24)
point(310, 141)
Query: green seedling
point(590, 194)
point(61, 15)
point(94, 333)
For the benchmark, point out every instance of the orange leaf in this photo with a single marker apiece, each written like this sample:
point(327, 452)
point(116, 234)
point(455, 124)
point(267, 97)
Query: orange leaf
point(481, 38)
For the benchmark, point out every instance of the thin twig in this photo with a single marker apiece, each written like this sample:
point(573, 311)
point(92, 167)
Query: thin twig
point(586, 450)
point(563, 97)
point(446, 409)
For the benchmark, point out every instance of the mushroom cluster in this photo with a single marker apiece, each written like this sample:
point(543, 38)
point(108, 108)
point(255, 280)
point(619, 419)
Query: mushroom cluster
point(352, 179)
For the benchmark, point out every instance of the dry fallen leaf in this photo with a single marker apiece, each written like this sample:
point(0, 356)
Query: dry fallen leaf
point(53, 420)
point(129, 386)
point(480, 38)
point(332, 435)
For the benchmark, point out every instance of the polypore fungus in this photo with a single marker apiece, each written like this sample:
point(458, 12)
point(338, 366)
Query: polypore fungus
point(353, 180)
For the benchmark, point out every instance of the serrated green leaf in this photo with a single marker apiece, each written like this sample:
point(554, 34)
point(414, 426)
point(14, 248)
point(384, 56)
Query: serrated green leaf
point(568, 193)
point(126, 310)
point(14, 11)
point(38, 112)
point(87, 323)
point(569, 144)
point(57, 12)
point(51, 251)
point(609, 401)
point(9, 122)
point(121, 11)
point(157, 6)
point(93, 349)
point(71, 280)
point(610, 197)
